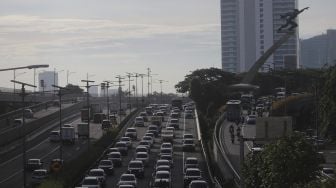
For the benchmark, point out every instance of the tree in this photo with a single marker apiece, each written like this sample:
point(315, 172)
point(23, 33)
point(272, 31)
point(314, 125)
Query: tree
point(327, 103)
point(285, 163)
point(74, 89)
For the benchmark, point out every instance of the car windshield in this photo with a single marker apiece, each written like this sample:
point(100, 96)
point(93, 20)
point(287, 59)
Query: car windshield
point(193, 173)
point(152, 128)
point(188, 136)
point(328, 171)
point(90, 182)
point(105, 162)
point(167, 157)
point(125, 139)
point(127, 178)
point(121, 144)
point(39, 173)
point(55, 133)
point(162, 175)
point(141, 155)
point(138, 119)
point(162, 163)
point(191, 161)
point(135, 165)
point(166, 151)
point(96, 173)
point(199, 185)
point(114, 155)
point(166, 146)
point(131, 130)
point(33, 161)
point(147, 138)
point(188, 141)
point(144, 143)
point(174, 121)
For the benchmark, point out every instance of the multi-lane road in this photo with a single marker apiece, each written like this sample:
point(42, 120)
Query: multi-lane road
point(185, 126)
point(11, 170)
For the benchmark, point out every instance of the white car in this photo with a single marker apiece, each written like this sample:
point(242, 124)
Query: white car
point(127, 179)
point(132, 133)
point(139, 121)
point(38, 176)
point(149, 139)
point(198, 184)
point(162, 162)
point(166, 151)
point(160, 177)
point(142, 156)
point(167, 145)
point(91, 182)
point(127, 140)
point(54, 136)
point(145, 143)
point(99, 173)
point(191, 162)
point(142, 149)
point(123, 148)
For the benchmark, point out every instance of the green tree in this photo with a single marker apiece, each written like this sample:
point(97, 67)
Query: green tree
point(327, 103)
point(74, 89)
point(285, 163)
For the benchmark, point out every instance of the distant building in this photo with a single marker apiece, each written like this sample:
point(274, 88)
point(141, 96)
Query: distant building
point(249, 28)
point(319, 50)
point(46, 80)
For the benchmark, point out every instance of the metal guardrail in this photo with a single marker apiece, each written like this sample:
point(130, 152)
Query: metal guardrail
point(199, 135)
point(221, 149)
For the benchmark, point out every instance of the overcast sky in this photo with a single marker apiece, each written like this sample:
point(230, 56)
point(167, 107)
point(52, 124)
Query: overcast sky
point(111, 37)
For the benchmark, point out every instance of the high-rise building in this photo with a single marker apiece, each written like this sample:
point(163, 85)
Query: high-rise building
point(318, 51)
point(47, 79)
point(249, 28)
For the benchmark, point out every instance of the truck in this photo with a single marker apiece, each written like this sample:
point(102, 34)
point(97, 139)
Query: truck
point(85, 114)
point(156, 120)
point(83, 129)
point(94, 109)
point(68, 134)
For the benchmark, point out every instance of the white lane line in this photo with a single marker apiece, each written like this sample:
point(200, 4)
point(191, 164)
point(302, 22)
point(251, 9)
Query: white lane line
point(16, 173)
point(14, 158)
point(11, 176)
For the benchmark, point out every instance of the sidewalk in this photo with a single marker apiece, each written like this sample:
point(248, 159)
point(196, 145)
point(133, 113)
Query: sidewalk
point(232, 149)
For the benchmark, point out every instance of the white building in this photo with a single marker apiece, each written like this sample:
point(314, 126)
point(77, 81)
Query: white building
point(249, 28)
point(46, 80)
point(93, 91)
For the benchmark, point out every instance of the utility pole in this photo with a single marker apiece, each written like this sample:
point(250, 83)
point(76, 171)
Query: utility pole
point(136, 89)
point(106, 87)
point(23, 134)
point(88, 106)
point(161, 89)
point(129, 75)
point(148, 75)
point(119, 91)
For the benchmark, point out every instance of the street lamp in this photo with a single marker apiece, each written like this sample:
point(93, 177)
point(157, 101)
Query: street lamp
point(88, 106)
point(15, 76)
point(26, 67)
point(68, 74)
point(23, 94)
point(57, 77)
point(105, 85)
point(60, 94)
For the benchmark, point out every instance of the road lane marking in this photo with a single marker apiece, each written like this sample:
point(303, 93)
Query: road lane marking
point(14, 158)
point(11, 176)
point(184, 122)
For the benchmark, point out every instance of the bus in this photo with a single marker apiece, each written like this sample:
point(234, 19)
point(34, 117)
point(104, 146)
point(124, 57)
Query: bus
point(177, 103)
point(233, 110)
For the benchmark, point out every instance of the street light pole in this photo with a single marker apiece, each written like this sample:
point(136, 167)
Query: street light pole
point(88, 107)
point(68, 74)
point(23, 94)
point(148, 74)
point(107, 86)
point(60, 118)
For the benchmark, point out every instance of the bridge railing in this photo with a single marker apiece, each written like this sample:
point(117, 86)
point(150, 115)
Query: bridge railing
point(221, 157)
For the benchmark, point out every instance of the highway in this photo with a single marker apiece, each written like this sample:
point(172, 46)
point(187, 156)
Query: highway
point(11, 171)
point(186, 126)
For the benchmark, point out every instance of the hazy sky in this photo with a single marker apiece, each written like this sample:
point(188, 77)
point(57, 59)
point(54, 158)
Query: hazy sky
point(111, 37)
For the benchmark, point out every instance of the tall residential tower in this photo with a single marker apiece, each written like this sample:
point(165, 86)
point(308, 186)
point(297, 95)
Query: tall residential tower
point(249, 28)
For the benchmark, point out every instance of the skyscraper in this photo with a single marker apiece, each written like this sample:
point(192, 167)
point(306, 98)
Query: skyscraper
point(249, 28)
point(47, 79)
